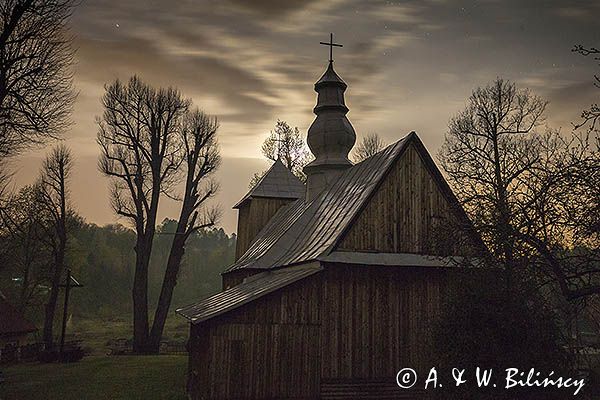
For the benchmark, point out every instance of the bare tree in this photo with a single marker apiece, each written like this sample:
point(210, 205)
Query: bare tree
point(534, 197)
point(286, 144)
point(368, 146)
point(486, 151)
point(36, 95)
point(591, 116)
point(558, 205)
point(201, 158)
point(138, 134)
point(5, 178)
point(25, 251)
point(54, 193)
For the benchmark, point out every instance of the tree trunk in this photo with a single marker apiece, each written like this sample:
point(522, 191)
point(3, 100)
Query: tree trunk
point(25, 285)
point(140, 296)
point(168, 286)
point(50, 311)
point(505, 236)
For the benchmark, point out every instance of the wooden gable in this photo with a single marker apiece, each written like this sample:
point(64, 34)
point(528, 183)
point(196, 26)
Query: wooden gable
point(253, 216)
point(412, 211)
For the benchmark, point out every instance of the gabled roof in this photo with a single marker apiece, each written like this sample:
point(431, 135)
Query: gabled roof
point(252, 288)
point(12, 321)
point(303, 234)
point(278, 182)
point(304, 231)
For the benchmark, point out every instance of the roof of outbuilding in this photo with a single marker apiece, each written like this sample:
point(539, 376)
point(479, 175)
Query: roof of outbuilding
point(252, 288)
point(12, 321)
point(278, 182)
point(303, 231)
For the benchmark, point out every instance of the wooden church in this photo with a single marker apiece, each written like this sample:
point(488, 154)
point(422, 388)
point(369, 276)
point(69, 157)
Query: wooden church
point(336, 283)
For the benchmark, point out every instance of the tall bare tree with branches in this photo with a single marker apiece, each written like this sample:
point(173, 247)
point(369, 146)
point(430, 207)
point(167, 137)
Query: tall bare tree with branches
point(286, 144)
point(36, 94)
point(137, 135)
point(591, 116)
point(485, 154)
point(54, 199)
point(532, 195)
point(201, 157)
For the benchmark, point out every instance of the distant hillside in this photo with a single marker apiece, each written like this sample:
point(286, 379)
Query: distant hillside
point(102, 259)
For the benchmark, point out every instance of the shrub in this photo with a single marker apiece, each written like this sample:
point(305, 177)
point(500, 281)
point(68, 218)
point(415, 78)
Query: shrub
point(485, 326)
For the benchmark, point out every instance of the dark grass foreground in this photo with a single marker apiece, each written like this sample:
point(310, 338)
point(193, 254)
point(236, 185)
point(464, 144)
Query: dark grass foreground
point(119, 377)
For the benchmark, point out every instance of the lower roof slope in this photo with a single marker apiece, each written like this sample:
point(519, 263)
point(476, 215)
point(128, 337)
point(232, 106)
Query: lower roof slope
point(249, 290)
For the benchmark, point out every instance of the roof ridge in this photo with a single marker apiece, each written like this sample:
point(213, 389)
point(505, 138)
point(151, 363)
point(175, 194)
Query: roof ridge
point(277, 182)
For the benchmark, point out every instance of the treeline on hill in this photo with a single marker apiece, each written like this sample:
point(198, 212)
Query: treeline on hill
point(102, 258)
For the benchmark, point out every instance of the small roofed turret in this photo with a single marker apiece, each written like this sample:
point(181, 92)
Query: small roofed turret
point(278, 187)
point(331, 135)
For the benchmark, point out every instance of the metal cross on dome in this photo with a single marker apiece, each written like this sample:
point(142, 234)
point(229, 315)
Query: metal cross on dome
point(331, 45)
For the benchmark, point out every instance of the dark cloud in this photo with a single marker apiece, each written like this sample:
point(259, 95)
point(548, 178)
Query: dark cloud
point(201, 76)
point(271, 7)
point(410, 65)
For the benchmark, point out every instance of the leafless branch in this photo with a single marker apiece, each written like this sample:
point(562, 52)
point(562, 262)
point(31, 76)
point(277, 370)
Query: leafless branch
point(36, 94)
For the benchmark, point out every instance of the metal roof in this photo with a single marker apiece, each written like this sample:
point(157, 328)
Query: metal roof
point(278, 182)
point(306, 233)
point(330, 76)
point(252, 288)
point(303, 231)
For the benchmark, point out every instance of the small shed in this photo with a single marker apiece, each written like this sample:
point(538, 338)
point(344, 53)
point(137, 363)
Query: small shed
point(14, 328)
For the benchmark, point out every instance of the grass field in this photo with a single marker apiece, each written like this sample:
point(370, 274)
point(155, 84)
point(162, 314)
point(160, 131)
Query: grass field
point(99, 377)
point(96, 333)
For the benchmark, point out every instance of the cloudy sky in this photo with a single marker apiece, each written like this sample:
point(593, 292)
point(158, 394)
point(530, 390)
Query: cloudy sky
point(410, 65)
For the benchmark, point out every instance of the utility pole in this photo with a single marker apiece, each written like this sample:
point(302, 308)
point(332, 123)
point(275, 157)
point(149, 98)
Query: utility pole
point(71, 282)
point(65, 308)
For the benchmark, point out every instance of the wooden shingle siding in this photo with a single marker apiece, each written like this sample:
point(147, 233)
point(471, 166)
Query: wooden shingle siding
point(403, 213)
point(253, 216)
point(298, 303)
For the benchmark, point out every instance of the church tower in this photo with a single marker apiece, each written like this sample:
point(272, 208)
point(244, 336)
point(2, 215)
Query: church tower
point(276, 188)
point(331, 135)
